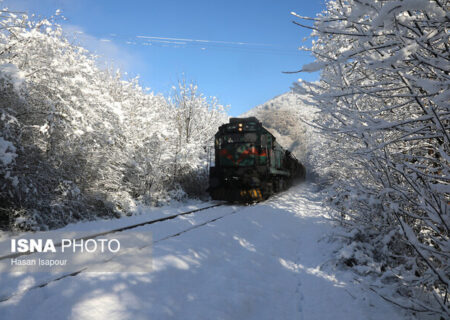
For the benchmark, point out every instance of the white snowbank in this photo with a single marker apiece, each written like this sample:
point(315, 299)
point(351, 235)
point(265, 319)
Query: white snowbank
point(267, 261)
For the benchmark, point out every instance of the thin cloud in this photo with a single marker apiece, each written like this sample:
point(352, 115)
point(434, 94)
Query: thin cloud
point(109, 51)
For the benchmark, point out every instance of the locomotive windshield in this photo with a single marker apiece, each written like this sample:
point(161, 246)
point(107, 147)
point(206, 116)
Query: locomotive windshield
point(237, 149)
point(237, 154)
point(237, 138)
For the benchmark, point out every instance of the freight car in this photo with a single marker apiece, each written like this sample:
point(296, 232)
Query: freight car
point(249, 164)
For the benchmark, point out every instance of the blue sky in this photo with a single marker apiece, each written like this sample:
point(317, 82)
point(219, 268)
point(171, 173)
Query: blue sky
point(234, 50)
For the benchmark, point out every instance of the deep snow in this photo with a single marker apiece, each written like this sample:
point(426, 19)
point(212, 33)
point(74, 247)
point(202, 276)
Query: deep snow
point(273, 260)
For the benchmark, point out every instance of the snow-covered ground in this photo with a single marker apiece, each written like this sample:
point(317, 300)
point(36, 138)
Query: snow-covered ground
point(272, 260)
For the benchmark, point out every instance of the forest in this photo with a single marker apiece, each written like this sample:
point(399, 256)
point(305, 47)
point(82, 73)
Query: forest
point(80, 142)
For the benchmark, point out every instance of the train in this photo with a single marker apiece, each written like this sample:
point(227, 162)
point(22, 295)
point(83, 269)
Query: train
point(249, 164)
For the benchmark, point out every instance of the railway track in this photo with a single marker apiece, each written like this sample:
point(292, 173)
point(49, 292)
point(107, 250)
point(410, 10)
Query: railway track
point(95, 235)
point(81, 270)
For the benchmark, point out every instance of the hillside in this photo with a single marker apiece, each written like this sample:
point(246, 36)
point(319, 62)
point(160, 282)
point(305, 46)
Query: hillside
point(286, 117)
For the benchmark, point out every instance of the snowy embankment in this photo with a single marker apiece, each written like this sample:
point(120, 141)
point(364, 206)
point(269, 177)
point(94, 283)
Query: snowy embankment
point(273, 260)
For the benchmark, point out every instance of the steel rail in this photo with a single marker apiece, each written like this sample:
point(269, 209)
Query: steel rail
point(92, 236)
point(77, 272)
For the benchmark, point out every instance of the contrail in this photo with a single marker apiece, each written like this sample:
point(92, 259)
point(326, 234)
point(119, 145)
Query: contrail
point(204, 41)
point(168, 41)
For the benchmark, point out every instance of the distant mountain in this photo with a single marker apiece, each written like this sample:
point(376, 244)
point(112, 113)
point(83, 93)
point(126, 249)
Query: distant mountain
point(285, 116)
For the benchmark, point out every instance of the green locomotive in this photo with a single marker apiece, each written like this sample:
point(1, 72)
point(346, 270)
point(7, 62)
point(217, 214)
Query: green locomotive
point(249, 164)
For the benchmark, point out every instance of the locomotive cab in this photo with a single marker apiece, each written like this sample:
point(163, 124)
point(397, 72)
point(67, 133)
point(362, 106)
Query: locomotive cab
point(249, 164)
point(238, 144)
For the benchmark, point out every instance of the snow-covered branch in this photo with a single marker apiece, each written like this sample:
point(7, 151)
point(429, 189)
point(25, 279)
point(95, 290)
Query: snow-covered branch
point(384, 97)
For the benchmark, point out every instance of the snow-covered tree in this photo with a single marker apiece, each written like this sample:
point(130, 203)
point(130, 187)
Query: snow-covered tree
point(63, 120)
point(384, 97)
point(147, 131)
point(196, 119)
point(77, 141)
